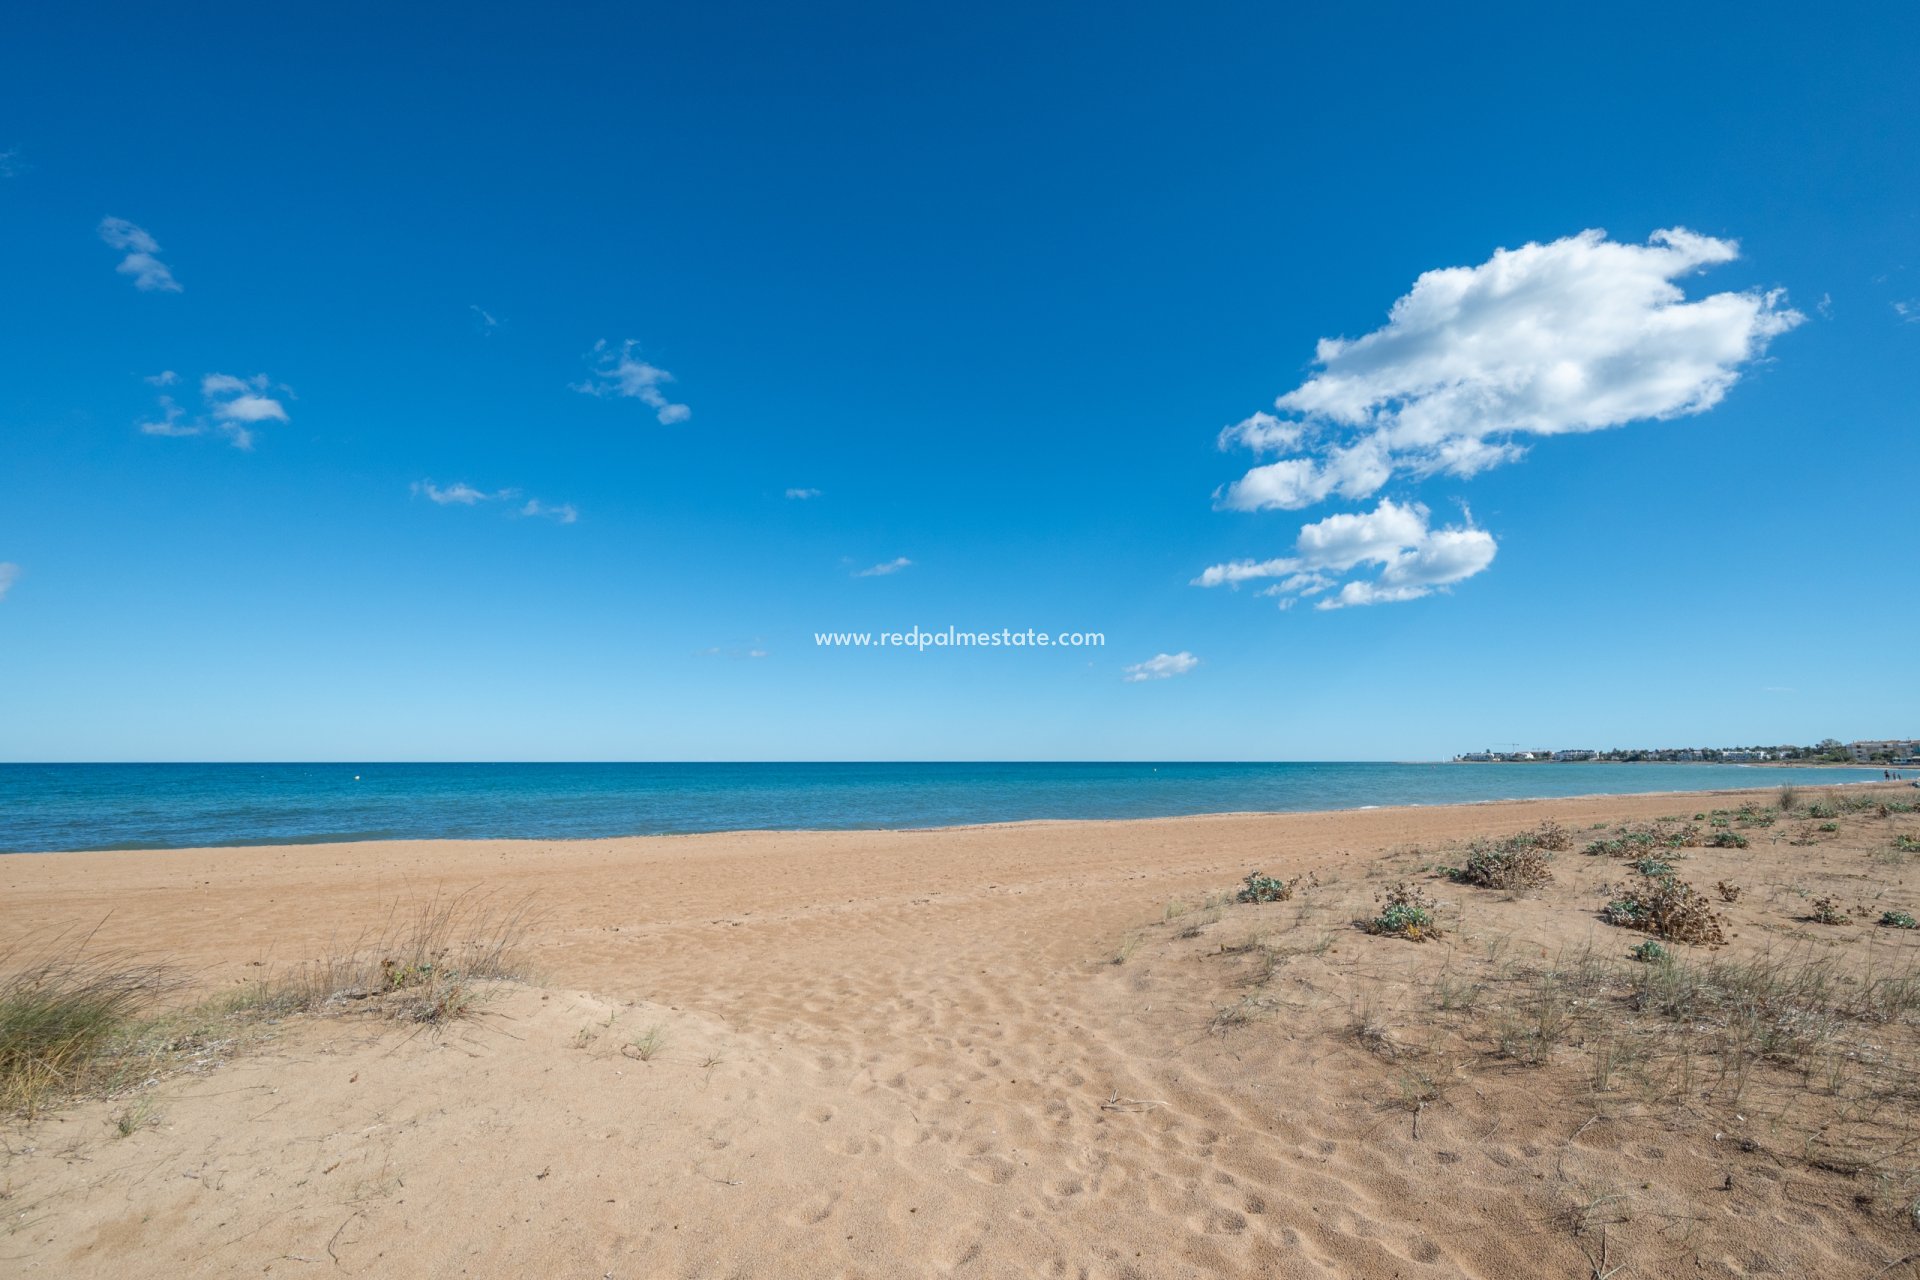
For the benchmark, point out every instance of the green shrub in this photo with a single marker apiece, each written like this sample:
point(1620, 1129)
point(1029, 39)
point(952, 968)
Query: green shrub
point(1728, 840)
point(1898, 920)
point(1648, 952)
point(1406, 912)
point(1264, 888)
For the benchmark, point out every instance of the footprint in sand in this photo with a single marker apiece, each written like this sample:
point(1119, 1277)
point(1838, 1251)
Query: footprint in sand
point(994, 1170)
point(1217, 1221)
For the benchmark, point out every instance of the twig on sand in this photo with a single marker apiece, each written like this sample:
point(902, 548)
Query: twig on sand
point(1115, 1102)
point(1418, 1108)
point(336, 1235)
point(1897, 1262)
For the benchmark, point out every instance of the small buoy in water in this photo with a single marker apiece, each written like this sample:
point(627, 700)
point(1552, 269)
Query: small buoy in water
point(356, 777)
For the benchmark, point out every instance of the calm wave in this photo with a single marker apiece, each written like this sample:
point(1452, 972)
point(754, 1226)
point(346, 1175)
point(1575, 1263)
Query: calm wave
point(155, 806)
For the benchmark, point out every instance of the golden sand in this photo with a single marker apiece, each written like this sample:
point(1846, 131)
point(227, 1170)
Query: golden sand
point(1019, 1050)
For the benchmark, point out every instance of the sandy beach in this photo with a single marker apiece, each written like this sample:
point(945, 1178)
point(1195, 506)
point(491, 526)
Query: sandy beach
point(1032, 1049)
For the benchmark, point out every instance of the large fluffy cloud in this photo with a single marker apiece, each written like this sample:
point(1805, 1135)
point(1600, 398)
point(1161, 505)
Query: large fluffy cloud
point(1473, 363)
point(1414, 559)
point(1576, 335)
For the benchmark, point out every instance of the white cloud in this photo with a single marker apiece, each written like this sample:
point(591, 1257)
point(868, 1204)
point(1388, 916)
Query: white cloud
point(484, 319)
point(462, 494)
point(1908, 311)
point(9, 574)
point(894, 565)
point(1576, 335)
point(236, 406)
point(803, 494)
point(559, 512)
point(620, 372)
point(10, 165)
point(1262, 433)
point(1415, 560)
point(1162, 666)
point(459, 493)
point(142, 261)
point(171, 421)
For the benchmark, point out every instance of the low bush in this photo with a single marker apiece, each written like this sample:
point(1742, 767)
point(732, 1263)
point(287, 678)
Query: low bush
point(1828, 911)
point(1406, 911)
point(1898, 920)
point(1264, 888)
point(1668, 907)
point(1728, 840)
point(1506, 865)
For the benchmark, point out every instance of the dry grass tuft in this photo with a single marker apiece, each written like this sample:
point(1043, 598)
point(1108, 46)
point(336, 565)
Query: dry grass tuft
point(77, 1022)
point(61, 1011)
point(427, 966)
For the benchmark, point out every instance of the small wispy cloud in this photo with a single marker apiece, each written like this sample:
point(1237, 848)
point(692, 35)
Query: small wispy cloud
point(11, 165)
point(9, 574)
point(142, 261)
point(894, 565)
point(484, 320)
point(559, 512)
point(801, 495)
point(619, 371)
point(1163, 666)
point(462, 494)
point(171, 422)
point(1908, 311)
point(233, 407)
point(240, 404)
point(457, 494)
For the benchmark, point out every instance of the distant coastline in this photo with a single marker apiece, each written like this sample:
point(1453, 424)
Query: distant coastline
point(99, 807)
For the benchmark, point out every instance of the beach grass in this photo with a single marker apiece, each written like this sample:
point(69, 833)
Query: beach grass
point(76, 1020)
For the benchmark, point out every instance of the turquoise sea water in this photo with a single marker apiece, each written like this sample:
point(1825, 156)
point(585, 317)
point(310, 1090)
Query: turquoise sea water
point(155, 806)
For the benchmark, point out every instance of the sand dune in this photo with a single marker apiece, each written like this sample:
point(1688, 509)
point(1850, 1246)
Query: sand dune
point(993, 1051)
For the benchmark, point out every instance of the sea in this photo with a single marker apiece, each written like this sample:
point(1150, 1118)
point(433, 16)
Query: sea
point(161, 806)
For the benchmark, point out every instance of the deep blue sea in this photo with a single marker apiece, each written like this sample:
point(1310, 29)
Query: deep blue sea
point(158, 806)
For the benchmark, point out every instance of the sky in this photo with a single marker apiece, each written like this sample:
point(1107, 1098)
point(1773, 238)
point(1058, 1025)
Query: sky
point(534, 383)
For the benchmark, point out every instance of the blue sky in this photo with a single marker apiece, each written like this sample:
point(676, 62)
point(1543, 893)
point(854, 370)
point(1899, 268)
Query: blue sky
point(993, 281)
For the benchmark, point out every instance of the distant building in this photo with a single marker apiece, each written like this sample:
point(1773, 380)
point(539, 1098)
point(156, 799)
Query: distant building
point(1575, 754)
point(1884, 748)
